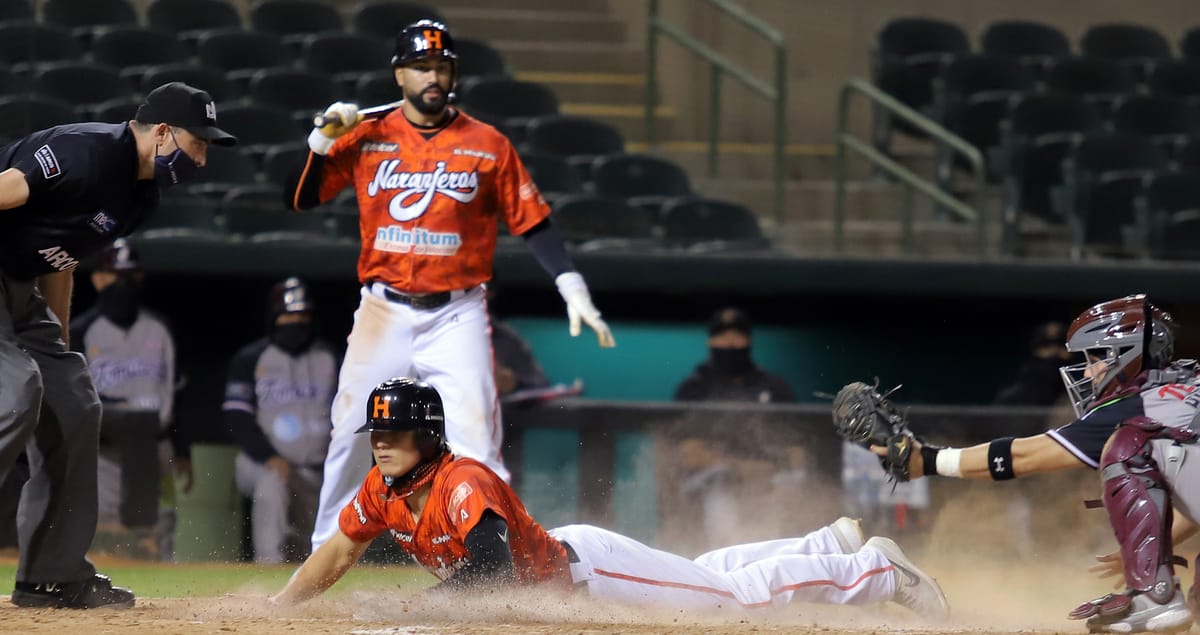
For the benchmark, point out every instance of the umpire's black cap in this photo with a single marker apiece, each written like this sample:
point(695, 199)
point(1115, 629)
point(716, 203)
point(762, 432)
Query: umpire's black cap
point(192, 109)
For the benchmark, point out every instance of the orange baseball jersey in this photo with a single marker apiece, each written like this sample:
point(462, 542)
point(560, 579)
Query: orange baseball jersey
point(429, 208)
point(462, 490)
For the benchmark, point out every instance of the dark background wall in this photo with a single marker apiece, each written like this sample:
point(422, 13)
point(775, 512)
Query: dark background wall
point(945, 349)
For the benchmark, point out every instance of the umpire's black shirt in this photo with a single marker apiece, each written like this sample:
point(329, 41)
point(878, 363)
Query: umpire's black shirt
point(83, 194)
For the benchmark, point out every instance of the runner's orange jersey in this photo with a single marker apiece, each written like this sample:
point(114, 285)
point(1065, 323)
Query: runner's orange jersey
point(462, 490)
point(429, 208)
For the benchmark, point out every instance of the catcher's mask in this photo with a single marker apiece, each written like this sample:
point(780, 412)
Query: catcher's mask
point(1127, 336)
point(401, 404)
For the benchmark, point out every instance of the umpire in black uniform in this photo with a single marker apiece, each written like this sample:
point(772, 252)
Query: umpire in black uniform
point(65, 193)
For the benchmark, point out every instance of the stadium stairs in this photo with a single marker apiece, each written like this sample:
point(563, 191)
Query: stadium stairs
point(594, 60)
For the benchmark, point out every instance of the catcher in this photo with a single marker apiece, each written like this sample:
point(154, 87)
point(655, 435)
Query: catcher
point(464, 524)
point(1136, 410)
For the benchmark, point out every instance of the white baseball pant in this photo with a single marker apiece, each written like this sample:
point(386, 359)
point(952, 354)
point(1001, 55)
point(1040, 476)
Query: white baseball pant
point(811, 568)
point(450, 347)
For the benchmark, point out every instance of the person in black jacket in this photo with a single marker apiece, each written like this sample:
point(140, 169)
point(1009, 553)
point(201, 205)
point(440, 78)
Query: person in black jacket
point(66, 193)
point(1038, 382)
point(729, 373)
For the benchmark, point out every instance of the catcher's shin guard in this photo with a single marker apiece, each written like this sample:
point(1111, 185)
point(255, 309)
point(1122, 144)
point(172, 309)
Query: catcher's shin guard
point(1139, 508)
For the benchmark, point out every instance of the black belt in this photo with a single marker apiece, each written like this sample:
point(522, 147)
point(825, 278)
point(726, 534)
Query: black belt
point(425, 302)
point(572, 557)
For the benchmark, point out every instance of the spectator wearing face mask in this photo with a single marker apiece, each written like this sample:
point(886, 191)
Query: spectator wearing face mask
point(729, 373)
point(131, 357)
point(277, 402)
point(1039, 382)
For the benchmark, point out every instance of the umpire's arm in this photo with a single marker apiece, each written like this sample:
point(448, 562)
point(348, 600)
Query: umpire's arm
point(14, 189)
point(321, 570)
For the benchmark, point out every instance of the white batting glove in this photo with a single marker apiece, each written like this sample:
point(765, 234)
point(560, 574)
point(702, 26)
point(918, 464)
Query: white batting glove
point(574, 292)
point(342, 118)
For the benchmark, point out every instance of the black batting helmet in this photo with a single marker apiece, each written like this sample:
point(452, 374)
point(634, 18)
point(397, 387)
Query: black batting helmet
point(402, 404)
point(118, 257)
point(290, 296)
point(424, 39)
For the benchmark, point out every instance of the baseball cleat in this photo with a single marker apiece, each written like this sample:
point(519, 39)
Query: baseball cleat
point(849, 534)
point(1133, 612)
point(915, 589)
point(96, 592)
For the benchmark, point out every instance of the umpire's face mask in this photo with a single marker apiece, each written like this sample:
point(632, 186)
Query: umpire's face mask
point(172, 169)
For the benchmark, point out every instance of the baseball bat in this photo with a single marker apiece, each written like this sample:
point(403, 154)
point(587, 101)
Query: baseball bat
point(366, 114)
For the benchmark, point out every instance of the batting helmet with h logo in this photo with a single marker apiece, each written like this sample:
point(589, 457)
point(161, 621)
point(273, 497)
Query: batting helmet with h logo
point(403, 404)
point(424, 39)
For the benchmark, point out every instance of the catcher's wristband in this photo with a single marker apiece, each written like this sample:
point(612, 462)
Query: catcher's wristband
point(941, 461)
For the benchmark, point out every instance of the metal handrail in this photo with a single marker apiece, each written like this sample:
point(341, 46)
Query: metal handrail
point(912, 181)
point(720, 65)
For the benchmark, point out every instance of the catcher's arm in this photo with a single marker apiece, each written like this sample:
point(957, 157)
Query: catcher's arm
point(321, 570)
point(865, 417)
point(1030, 455)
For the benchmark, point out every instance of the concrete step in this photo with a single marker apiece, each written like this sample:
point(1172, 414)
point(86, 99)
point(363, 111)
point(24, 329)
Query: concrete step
point(597, 88)
point(537, 26)
point(580, 6)
point(811, 199)
point(569, 57)
point(931, 239)
point(629, 120)
point(756, 160)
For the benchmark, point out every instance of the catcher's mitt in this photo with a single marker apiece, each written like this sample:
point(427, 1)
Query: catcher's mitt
point(865, 417)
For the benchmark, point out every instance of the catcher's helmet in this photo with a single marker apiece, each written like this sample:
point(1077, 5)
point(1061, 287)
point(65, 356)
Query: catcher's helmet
point(422, 39)
point(290, 296)
point(1129, 335)
point(118, 257)
point(407, 404)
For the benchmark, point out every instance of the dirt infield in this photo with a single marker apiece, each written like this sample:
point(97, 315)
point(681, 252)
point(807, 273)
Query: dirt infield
point(994, 597)
point(997, 582)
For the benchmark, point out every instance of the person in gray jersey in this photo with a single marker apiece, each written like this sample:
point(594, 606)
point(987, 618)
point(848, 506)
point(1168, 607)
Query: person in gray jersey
point(131, 357)
point(277, 402)
point(66, 192)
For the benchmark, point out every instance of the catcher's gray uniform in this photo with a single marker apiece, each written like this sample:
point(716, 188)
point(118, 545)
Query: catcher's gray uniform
point(279, 405)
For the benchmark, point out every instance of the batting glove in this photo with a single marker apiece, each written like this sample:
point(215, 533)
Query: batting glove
point(340, 118)
point(574, 292)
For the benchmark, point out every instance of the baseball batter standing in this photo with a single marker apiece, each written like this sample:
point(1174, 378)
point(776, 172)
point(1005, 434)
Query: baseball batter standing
point(467, 527)
point(432, 186)
point(1137, 413)
point(65, 193)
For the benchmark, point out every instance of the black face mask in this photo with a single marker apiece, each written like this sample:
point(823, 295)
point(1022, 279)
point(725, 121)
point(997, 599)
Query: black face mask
point(732, 360)
point(119, 302)
point(293, 338)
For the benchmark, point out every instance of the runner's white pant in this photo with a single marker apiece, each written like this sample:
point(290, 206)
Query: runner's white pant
point(449, 347)
point(756, 575)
